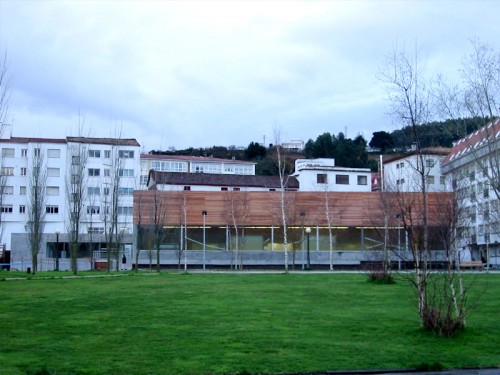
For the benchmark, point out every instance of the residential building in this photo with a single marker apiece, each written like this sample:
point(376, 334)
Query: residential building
point(473, 167)
point(323, 175)
point(294, 145)
point(193, 164)
point(403, 173)
point(99, 166)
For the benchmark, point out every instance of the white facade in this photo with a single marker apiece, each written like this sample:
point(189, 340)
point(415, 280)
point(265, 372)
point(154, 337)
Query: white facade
point(323, 175)
point(473, 166)
point(59, 157)
point(403, 174)
point(294, 145)
point(192, 164)
point(17, 164)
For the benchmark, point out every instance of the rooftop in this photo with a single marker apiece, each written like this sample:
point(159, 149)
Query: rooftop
point(474, 141)
point(223, 180)
point(202, 159)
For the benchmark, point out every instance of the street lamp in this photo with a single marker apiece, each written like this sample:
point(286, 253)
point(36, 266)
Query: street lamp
point(308, 232)
point(57, 249)
point(398, 216)
point(204, 213)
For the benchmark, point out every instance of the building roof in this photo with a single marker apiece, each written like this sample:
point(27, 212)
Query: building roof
point(105, 141)
point(432, 151)
point(31, 140)
point(474, 141)
point(222, 180)
point(202, 159)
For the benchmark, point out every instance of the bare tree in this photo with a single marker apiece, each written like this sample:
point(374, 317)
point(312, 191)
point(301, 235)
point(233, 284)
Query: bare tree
point(4, 107)
point(158, 219)
point(4, 93)
point(36, 204)
point(109, 212)
point(281, 161)
point(236, 207)
point(3, 184)
point(411, 106)
point(76, 185)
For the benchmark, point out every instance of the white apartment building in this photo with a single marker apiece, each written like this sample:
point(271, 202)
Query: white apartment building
point(294, 145)
point(323, 175)
point(403, 173)
point(473, 166)
point(192, 164)
point(101, 159)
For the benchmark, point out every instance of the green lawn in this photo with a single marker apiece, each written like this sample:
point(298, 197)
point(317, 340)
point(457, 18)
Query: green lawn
point(230, 323)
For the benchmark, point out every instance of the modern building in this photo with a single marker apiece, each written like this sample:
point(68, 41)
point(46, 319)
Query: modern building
point(322, 175)
point(193, 164)
point(403, 173)
point(245, 229)
point(473, 166)
point(78, 169)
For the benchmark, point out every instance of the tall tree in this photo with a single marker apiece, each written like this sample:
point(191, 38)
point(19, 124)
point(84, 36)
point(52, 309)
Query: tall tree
point(382, 140)
point(281, 162)
point(36, 203)
point(76, 185)
point(404, 77)
point(4, 93)
point(109, 212)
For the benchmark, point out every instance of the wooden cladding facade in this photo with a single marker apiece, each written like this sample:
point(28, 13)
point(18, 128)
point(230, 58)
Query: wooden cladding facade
point(347, 209)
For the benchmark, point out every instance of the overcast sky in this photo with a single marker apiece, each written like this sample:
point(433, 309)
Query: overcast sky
point(205, 73)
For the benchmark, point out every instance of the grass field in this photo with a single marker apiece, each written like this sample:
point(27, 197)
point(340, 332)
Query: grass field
point(230, 323)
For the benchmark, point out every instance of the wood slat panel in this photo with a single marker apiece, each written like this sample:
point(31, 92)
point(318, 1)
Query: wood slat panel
point(263, 208)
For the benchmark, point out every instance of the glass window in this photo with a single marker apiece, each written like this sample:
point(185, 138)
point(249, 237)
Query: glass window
point(93, 190)
point(8, 152)
point(22, 209)
point(94, 153)
point(125, 210)
point(52, 209)
point(7, 209)
point(37, 152)
point(94, 172)
point(93, 210)
point(7, 171)
point(8, 190)
point(362, 180)
point(107, 154)
point(125, 191)
point(24, 153)
point(128, 154)
point(342, 179)
point(429, 163)
point(52, 190)
point(321, 178)
point(53, 172)
point(53, 153)
point(126, 173)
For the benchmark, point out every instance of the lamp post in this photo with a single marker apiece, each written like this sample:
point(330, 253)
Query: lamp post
point(398, 216)
point(308, 232)
point(204, 213)
point(57, 249)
